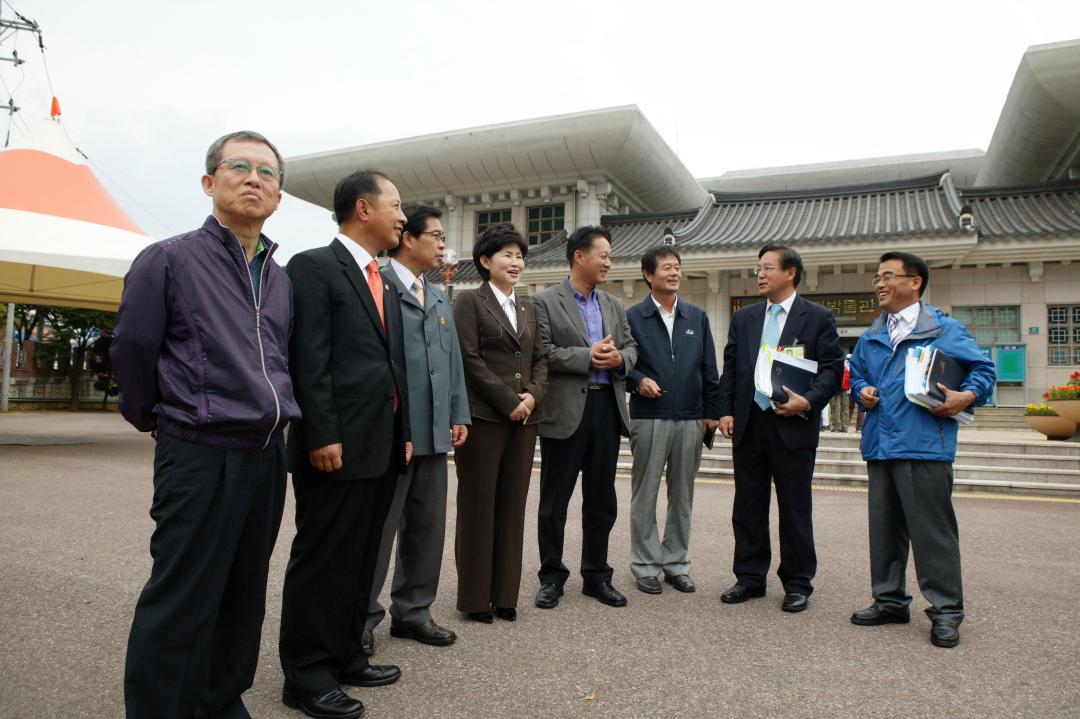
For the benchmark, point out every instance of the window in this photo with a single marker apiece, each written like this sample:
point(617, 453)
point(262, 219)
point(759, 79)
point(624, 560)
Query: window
point(487, 218)
point(545, 222)
point(990, 325)
point(1063, 334)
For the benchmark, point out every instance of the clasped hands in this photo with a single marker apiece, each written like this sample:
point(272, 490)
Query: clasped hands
point(524, 409)
point(605, 355)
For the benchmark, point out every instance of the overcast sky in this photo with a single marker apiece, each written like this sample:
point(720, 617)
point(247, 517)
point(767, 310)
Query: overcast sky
point(145, 86)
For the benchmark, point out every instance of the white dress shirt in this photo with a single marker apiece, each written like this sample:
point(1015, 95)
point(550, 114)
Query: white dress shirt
point(507, 303)
point(781, 318)
point(667, 317)
point(908, 317)
point(362, 256)
point(406, 276)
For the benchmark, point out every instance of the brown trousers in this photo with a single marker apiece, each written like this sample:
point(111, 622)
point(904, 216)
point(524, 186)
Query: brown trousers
point(493, 468)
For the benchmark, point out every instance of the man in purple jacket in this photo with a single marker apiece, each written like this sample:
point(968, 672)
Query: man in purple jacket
point(201, 356)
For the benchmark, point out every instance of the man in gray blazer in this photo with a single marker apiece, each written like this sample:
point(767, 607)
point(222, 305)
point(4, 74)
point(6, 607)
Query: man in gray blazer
point(439, 413)
point(590, 350)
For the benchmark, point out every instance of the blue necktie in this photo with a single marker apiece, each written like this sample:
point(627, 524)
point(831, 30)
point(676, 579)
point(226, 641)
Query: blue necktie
point(771, 337)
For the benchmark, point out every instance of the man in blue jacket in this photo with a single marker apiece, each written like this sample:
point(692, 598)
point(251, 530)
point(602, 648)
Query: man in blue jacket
point(201, 357)
point(909, 450)
point(674, 400)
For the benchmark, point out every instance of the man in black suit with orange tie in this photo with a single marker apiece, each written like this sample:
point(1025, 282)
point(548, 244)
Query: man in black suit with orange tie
point(776, 443)
point(348, 368)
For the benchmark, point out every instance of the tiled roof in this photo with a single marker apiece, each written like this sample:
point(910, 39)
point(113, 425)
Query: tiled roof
point(922, 207)
point(1051, 210)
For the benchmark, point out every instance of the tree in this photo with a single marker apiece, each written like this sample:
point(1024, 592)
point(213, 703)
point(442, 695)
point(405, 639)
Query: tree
point(73, 334)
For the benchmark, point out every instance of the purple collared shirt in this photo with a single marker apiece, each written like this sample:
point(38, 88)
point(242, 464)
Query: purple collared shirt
point(594, 329)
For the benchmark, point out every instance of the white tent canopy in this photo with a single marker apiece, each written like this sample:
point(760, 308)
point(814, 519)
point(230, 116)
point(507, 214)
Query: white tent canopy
point(63, 239)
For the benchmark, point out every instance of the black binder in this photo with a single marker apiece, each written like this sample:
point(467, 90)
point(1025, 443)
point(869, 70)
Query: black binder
point(947, 371)
point(797, 380)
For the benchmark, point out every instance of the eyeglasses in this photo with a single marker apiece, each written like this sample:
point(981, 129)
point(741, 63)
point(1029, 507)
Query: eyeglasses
point(887, 277)
point(764, 268)
point(437, 235)
point(242, 168)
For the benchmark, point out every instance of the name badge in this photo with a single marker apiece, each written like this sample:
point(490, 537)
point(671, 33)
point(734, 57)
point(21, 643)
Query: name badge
point(442, 320)
point(798, 352)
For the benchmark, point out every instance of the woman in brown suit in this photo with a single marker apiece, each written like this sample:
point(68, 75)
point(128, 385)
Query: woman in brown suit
point(506, 376)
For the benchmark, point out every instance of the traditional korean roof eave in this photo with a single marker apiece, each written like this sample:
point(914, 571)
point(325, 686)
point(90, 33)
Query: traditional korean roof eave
point(615, 143)
point(1037, 136)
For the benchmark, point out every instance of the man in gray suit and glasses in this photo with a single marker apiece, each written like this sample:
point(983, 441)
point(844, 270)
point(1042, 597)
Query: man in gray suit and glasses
point(590, 350)
point(439, 415)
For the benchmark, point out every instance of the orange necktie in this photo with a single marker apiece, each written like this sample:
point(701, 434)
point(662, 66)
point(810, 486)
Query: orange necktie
point(374, 281)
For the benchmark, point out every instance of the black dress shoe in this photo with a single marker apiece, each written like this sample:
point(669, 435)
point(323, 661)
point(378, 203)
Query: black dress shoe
point(548, 596)
point(795, 602)
point(334, 704)
point(508, 614)
point(373, 675)
point(874, 615)
point(367, 642)
point(739, 594)
point(482, 617)
point(944, 634)
point(649, 585)
point(606, 593)
point(427, 633)
point(681, 582)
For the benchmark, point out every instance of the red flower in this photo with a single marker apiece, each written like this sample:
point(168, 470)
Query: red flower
point(1046, 395)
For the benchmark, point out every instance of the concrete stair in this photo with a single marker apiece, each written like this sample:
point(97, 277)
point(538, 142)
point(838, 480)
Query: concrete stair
point(1000, 418)
point(995, 463)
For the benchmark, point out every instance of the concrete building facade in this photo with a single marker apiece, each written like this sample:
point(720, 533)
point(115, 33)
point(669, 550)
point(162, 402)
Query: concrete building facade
point(1000, 229)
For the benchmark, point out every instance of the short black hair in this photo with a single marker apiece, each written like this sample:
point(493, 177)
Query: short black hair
point(416, 217)
point(491, 240)
point(582, 239)
point(653, 255)
point(362, 183)
point(788, 258)
point(913, 265)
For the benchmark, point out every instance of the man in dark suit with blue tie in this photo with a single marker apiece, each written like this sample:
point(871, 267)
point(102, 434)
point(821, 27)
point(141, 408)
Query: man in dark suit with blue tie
point(348, 367)
point(776, 443)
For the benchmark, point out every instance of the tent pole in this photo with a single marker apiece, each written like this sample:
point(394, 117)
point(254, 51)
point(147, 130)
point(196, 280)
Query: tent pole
point(5, 392)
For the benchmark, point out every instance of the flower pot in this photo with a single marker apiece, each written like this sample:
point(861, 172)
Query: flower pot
point(1068, 409)
point(1052, 427)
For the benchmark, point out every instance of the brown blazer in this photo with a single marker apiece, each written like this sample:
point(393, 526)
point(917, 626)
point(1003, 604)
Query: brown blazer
point(499, 362)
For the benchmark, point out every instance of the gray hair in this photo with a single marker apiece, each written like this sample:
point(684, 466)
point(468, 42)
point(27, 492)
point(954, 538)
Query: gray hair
point(214, 158)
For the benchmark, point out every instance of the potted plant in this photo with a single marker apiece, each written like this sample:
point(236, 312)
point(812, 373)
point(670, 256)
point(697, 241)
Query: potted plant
point(1066, 398)
point(1043, 418)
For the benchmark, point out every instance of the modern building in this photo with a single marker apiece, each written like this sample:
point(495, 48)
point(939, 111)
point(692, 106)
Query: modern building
point(1000, 229)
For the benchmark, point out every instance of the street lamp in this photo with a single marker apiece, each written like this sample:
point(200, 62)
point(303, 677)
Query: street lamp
point(448, 270)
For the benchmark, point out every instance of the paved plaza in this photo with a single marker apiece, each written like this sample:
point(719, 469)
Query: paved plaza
point(74, 532)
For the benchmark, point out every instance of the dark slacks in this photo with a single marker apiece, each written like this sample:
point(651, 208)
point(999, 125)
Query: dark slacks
point(592, 450)
point(339, 524)
point(194, 641)
point(760, 461)
point(910, 504)
point(494, 467)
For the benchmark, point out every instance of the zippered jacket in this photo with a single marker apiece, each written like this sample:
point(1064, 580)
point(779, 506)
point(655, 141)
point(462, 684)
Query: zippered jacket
point(898, 428)
point(683, 365)
point(198, 352)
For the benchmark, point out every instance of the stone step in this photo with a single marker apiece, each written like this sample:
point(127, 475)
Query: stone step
point(982, 464)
